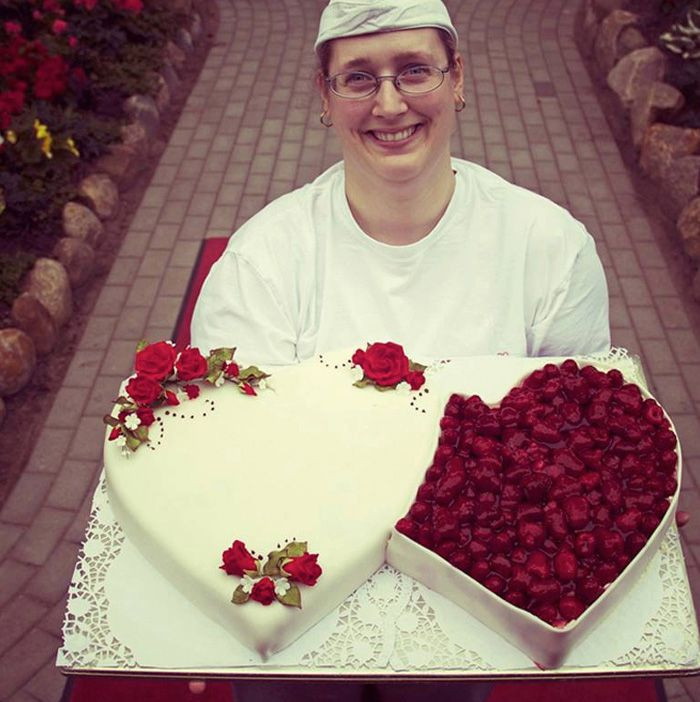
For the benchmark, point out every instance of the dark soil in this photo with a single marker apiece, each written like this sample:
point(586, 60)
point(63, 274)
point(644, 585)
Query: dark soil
point(27, 410)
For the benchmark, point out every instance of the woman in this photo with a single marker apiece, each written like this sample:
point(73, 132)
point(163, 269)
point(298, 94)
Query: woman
point(399, 241)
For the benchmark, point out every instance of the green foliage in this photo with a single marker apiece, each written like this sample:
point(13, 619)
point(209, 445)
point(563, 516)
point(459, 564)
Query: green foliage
point(12, 268)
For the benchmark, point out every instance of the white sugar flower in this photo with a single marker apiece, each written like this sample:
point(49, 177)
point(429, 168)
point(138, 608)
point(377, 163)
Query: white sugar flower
point(247, 584)
point(264, 384)
point(281, 587)
point(120, 441)
point(403, 388)
point(132, 422)
point(126, 451)
point(182, 396)
point(220, 380)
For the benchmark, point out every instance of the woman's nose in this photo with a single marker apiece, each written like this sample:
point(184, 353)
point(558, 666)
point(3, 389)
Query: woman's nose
point(388, 100)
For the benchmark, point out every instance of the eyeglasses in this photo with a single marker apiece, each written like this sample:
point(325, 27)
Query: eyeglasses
point(415, 80)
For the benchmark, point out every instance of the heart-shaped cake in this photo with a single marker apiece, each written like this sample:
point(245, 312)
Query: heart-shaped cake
point(326, 468)
point(537, 513)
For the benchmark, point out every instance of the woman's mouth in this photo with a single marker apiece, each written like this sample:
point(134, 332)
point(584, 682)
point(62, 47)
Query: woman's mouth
point(395, 136)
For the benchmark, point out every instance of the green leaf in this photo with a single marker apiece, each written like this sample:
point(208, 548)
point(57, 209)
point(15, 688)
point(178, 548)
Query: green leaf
point(213, 375)
point(239, 596)
point(141, 345)
point(412, 366)
point(132, 442)
point(142, 433)
point(296, 548)
point(272, 565)
point(252, 372)
point(291, 598)
point(362, 383)
point(112, 421)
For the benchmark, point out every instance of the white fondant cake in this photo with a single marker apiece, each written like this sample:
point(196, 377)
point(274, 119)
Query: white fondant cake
point(312, 459)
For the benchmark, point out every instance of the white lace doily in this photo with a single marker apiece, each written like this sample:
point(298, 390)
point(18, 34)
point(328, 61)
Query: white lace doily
point(119, 617)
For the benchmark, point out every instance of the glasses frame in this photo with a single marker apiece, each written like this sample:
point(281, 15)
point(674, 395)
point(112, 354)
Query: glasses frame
point(393, 78)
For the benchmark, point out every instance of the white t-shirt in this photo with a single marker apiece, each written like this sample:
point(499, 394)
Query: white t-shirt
point(504, 270)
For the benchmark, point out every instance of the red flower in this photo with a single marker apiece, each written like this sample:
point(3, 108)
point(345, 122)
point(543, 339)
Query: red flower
point(155, 360)
point(171, 398)
point(145, 414)
point(191, 365)
point(192, 391)
point(248, 389)
point(115, 433)
point(237, 560)
point(384, 363)
point(87, 4)
point(415, 379)
point(263, 591)
point(143, 391)
point(13, 28)
point(304, 568)
point(51, 78)
point(231, 370)
point(73, 42)
point(59, 26)
point(134, 6)
point(11, 103)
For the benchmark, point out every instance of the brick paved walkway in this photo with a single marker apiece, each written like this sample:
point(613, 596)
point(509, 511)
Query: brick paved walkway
point(250, 132)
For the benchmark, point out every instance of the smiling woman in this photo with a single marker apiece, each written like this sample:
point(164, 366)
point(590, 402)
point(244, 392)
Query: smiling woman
point(401, 241)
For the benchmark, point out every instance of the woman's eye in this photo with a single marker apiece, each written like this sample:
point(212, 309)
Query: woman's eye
point(357, 78)
point(416, 71)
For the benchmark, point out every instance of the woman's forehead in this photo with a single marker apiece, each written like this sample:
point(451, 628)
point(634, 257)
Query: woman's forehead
point(422, 44)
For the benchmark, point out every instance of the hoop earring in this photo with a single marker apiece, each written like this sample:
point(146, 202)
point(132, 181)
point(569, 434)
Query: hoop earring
point(462, 104)
point(324, 123)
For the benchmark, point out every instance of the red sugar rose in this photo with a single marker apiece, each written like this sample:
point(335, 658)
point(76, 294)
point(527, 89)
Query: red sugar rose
point(384, 363)
point(146, 416)
point(171, 398)
point(192, 391)
point(263, 591)
point(155, 361)
point(415, 379)
point(191, 365)
point(231, 370)
point(237, 560)
point(143, 391)
point(304, 568)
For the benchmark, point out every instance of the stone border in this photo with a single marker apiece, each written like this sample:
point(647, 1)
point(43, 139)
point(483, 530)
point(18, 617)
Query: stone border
point(45, 304)
point(669, 156)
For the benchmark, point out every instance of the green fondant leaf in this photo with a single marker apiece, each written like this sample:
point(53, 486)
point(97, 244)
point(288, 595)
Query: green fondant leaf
point(296, 548)
point(141, 433)
point(413, 366)
point(141, 345)
point(252, 372)
point(272, 565)
point(239, 596)
point(132, 441)
point(291, 598)
point(363, 382)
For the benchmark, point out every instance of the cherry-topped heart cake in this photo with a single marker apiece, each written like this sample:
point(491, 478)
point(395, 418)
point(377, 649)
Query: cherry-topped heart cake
point(545, 487)
point(544, 499)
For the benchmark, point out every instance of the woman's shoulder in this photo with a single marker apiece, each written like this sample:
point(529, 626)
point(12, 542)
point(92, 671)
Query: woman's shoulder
point(541, 217)
point(287, 222)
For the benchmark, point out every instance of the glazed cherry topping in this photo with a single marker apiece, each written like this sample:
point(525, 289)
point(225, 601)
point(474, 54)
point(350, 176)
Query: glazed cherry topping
point(546, 499)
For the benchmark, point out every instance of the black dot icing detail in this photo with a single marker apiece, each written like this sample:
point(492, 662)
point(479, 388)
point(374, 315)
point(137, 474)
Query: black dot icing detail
point(167, 412)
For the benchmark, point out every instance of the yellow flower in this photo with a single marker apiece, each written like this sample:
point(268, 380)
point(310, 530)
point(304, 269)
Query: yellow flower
point(11, 136)
point(44, 136)
point(70, 145)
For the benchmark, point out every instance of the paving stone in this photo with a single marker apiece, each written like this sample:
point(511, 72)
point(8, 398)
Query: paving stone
point(98, 333)
point(143, 292)
point(50, 583)
point(9, 533)
point(688, 428)
point(73, 483)
point(636, 291)
point(132, 323)
point(17, 618)
point(49, 450)
point(13, 577)
point(194, 227)
point(119, 359)
point(647, 323)
point(21, 662)
point(52, 622)
point(153, 263)
point(673, 395)
point(88, 441)
point(67, 408)
point(83, 368)
point(48, 683)
point(164, 236)
point(691, 375)
point(173, 212)
point(39, 541)
point(76, 531)
point(175, 281)
point(26, 499)
point(165, 311)
point(111, 300)
point(185, 253)
point(685, 344)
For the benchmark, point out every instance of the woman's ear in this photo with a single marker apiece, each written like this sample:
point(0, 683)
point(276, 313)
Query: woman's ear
point(457, 73)
point(322, 87)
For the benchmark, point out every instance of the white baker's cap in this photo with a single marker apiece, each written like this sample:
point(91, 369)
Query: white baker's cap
point(348, 18)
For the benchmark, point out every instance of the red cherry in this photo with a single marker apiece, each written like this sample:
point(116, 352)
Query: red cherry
point(420, 511)
point(585, 544)
point(634, 543)
point(538, 565)
point(479, 570)
point(461, 560)
point(530, 534)
point(544, 590)
point(570, 607)
point(407, 527)
point(516, 598)
point(426, 492)
point(576, 511)
point(446, 549)
point(495, 583)
point(547, 612)
point(565, 564)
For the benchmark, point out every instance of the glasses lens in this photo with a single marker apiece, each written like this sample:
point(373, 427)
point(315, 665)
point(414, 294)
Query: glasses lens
point(353, 84)
point(419, 79)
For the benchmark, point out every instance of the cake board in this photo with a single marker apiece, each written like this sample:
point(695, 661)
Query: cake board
point(124, 618)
